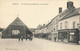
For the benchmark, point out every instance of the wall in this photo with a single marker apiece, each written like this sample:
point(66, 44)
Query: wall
point(69, 22)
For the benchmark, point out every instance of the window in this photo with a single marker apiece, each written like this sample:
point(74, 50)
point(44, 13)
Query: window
point(61, 25)
point(15, 32)
point(57, 27)
point(74, 24)
point(66, 24)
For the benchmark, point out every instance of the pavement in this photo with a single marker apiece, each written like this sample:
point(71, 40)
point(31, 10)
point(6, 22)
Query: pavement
point(36, 45)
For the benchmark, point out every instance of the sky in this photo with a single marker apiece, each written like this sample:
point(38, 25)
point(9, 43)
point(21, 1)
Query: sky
point(31, 15)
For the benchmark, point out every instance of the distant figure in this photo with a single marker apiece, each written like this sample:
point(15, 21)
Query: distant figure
point(21, 38)
point(31, 38)
point(62, 38)
point(55, 39)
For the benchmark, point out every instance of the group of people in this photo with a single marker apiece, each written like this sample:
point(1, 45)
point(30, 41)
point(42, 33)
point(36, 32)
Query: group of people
point(30, 37)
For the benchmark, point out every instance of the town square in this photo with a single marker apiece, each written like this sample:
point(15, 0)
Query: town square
point(40, 25)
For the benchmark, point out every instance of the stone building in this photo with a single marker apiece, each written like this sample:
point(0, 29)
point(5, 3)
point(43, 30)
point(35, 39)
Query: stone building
point(69, 23)
point(66, 25)
point(41, 31)
point(67, 19)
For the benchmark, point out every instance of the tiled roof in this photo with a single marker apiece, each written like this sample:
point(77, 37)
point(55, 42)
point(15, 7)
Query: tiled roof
point(48, 24)
point(41, 27)
point(71, 14)
point(66, 14)
point(18, 22)
point(62, 14)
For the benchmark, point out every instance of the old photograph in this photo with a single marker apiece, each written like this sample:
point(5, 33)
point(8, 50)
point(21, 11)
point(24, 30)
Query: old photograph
point(39, 25)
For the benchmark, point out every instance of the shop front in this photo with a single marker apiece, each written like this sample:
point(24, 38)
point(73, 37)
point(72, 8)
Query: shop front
point(68, 35)
point(74, 36)
point(63, 35)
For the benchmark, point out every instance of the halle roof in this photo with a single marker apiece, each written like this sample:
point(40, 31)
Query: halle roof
point(18, 22)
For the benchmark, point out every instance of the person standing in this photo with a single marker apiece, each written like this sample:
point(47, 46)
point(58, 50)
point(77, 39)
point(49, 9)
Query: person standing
point(54, 39)
point(21, 38)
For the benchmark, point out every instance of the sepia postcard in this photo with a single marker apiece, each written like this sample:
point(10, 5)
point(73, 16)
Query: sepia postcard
point(39, 25)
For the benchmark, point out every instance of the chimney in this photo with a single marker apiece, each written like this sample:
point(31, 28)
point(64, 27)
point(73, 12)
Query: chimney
point(60, 9)
point(69, 4)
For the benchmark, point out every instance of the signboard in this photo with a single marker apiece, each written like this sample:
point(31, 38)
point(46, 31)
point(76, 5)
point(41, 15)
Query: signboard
point(71, 33)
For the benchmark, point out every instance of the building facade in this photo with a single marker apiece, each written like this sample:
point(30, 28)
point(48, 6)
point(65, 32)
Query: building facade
point(66, 22)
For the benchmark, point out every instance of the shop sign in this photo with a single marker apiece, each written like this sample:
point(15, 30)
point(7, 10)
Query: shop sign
point(71, 33)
